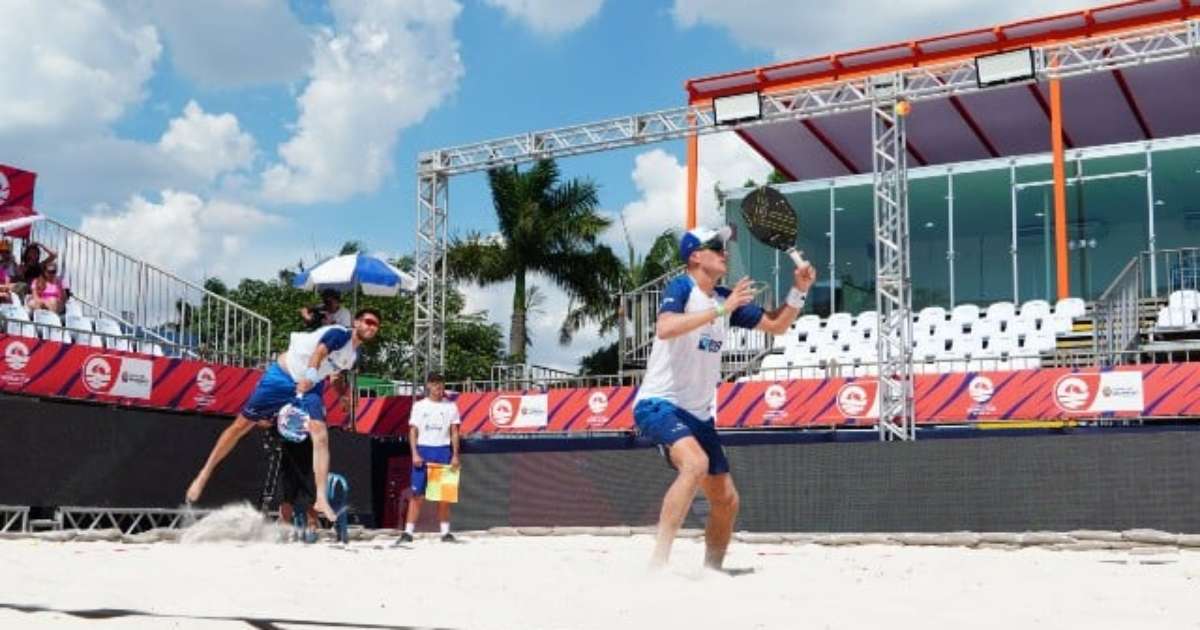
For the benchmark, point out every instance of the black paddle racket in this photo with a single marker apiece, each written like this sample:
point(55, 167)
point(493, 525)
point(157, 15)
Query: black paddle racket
point(772, 220)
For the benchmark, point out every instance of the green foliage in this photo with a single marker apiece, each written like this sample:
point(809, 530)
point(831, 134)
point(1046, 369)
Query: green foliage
point(550, 227)
point(601, 362)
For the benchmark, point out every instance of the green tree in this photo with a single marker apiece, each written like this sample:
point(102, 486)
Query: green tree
point(548, 227)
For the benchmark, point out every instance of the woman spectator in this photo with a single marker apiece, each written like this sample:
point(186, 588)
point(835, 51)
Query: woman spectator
point(8, 272)
point(32, 263)
point(47, 292)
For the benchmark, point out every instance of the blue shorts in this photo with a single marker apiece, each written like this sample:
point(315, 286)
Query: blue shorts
point(431, 454)
point(665, 424)
point(277, 389)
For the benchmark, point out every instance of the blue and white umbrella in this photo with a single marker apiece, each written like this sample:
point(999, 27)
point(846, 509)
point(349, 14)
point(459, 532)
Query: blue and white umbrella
point(375, 276)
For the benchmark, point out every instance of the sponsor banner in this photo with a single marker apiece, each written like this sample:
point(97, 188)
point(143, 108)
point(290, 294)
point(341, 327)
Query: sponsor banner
point(528, 411)
point(595, 409)
point(116, 375)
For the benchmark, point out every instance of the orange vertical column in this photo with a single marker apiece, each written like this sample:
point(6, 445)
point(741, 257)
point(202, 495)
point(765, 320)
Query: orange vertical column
point(693, 168)
point(1060, 189)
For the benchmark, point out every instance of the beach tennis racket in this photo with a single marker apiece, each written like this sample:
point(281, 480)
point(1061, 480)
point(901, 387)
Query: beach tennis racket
point(772, 220)
point(292, 421)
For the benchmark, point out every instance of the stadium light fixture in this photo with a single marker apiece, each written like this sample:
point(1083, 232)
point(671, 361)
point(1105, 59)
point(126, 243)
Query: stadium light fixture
point(1005, 67)
point(737, 108)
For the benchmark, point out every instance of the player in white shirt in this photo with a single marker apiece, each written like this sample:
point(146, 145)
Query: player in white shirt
point(433, 427)
point(297, 377)
point(676, 402)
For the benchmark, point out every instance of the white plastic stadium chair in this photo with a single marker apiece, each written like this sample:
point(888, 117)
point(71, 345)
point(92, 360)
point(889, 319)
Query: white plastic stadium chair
point(965, 314)
point(1072, 307)
point(18, 321)
point(1186, 298)
point(1001, 312)
point(114, 337)
point(1035, 310)
point(81, 330)
point(49, 326)
point(1174, 317)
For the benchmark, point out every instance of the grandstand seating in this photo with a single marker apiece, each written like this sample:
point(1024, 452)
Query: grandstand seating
point(1182, 312)
point(1002, 336)
point(98, 333)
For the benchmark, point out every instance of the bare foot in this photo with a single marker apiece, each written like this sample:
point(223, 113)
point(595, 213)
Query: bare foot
point(323, 508)
point(196, 489)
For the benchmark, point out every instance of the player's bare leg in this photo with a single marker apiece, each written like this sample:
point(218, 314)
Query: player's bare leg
point(691, 462)
point(723, 501)
point(225, 443)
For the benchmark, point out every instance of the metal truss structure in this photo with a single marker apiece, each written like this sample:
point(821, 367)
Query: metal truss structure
point(128, 520)
point(893, 282)
point(14, 518)
point(1164, 42)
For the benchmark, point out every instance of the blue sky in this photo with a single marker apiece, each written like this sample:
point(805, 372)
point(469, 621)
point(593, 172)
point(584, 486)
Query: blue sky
point(235, 137)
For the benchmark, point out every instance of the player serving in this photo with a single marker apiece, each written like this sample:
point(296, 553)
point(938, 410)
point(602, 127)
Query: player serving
point(297, 378)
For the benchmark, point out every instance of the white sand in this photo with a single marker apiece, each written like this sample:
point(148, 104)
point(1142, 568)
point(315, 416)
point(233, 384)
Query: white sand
point(591, 582)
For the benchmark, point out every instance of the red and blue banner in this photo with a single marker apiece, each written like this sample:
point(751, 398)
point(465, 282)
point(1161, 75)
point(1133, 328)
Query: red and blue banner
point(1169, 390)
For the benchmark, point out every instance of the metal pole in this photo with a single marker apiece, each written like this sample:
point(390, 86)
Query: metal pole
point(1150, 218)
point(832, 251)
point(950, 226)
point(1012, 186)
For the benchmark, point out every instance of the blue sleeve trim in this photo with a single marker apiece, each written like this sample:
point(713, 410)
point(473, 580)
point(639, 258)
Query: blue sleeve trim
point(747, 316)
point(335, 338)
point(675, 296)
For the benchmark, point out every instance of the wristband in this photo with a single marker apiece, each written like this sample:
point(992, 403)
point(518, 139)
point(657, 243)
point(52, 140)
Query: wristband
point(796, 298)
point(312, 375)
point(720, 308)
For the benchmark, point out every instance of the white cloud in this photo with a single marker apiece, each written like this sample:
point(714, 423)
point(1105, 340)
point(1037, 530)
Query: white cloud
point(382, 68)
point(791, 29)
point(71, 65)
point(661, 180)
point(232, 43)
point(550, 17)
point(191, 235)
point(207, 144)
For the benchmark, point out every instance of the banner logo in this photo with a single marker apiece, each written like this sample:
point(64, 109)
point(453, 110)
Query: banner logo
point(598, 402)
point(501, 412)
point(1074, 393)
point(775, 396)
point(112, 375)
point(97, 374)
point(981, 389)
point(1100, 392)
point(16, 355)
point(520, 412)
point(206, 380)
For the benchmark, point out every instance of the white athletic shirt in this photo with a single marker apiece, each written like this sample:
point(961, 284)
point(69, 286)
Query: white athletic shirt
point(685, 370)
point(433, 420)
point(301, 347)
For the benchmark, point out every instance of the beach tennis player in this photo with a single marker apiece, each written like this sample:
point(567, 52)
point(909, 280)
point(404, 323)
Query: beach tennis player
point(297, 378)
point(675, 405)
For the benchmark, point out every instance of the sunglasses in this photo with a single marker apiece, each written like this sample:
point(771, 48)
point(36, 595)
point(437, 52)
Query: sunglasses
point(51, 272)
point(371, 321)
point(713, 245)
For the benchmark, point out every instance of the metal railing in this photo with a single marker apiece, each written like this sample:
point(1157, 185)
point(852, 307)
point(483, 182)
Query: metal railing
point(638, 317)
point(1166, 271)
point(67, 334)
point(155, 304)
point(1116, 315)
point(573, 381)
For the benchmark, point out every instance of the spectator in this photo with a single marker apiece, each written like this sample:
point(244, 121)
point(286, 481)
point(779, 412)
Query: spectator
point(32, 263)
point(8, 272)
point(329, 312)
point(47, 292)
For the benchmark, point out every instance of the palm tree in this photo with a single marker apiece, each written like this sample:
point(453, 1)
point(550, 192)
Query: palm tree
point(663, 256)
point(548, 227)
